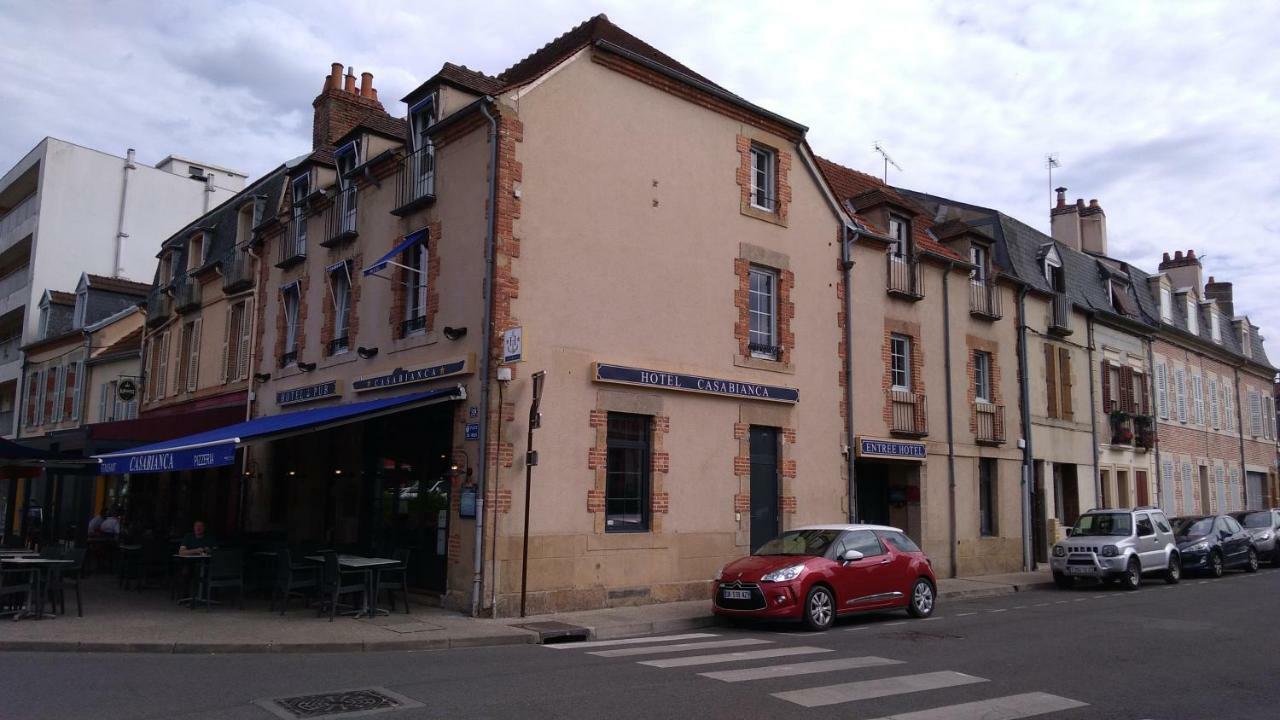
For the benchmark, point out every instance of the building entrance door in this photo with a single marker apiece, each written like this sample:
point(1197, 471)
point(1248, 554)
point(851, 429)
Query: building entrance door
point(873, 493)
point(764, 485)
point(1140, 482)
point(1253, 493)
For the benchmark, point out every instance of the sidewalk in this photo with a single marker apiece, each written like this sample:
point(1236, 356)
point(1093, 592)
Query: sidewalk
point(128, 621)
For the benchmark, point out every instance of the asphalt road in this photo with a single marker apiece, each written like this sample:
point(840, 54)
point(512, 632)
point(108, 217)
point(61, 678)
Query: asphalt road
point(1204, 649)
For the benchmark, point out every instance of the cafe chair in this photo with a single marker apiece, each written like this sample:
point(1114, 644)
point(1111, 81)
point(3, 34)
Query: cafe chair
point(290, 578)
point(338, 582)
point(15, 591)
point(130, 568)
point(396, 578)
point(226, 570)
point(70, 575)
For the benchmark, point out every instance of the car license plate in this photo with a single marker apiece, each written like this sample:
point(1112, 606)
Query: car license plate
point(736, 594)
point(1079, 571)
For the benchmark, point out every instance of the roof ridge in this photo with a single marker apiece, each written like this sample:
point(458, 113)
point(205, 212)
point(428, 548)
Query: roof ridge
point(503, 76)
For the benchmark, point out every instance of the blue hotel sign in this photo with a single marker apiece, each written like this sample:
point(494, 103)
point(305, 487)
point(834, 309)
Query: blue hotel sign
point(171, 460)
point(694, 383)
point(308, 393)
point(408, 376)
point(891, 449)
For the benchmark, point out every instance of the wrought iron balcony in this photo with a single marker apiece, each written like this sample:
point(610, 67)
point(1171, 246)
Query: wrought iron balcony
point(909, 414)
point(903, 277)
point(1060, 314)
point(340, 218)
point(416, 181)
point(764, 350)
point(413, 325)
point(990, 423)
point(293, 243)
point(186, 293)
point(1144, 432)
point(985, 300)
point(339, 345)
point(159, 306)
point(289, 358)
point(237, 271)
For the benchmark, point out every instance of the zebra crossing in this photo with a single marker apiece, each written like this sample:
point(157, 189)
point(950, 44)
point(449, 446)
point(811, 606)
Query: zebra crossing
point(700, 650)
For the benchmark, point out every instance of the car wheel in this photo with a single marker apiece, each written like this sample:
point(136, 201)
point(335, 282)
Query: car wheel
point(1132, 578)
point(922, 599)
point(819, 608)
point(1064, 582)
point(1215, 564)
point(1253, 561)
point(1174, 572)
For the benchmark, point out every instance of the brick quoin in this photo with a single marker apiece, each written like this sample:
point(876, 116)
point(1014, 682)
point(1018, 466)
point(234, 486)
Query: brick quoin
point(595, 501)
point(742, 502)
point(743, 178)
point(503, 501)
point(911, 330)
point(789, 435)
point(740, 430)
point(741, 465)
point(506, 286)
point(787, 503)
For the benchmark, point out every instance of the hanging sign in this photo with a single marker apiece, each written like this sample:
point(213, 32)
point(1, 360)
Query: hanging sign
point(308, 393)
point(127, 390)
point(512, 344)
point(694, 383)
point(890, 449)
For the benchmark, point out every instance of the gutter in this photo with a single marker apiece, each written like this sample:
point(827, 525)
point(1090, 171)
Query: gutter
point(1093, 417)
point(1244, 473)
point(1028, 546)
point(1155, 423)
point(477, 582)
point(951, 444)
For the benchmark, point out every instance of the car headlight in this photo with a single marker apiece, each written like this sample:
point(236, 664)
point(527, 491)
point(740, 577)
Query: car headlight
point(783, 575)
point(1059, 551)
point(1110, 551)
point(1198, 547)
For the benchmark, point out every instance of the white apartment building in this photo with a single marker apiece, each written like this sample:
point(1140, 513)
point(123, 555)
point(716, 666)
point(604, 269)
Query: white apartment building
point(66, 210)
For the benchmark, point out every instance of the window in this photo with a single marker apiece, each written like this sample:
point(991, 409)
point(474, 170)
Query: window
point(1058, 384)
point(236, 342)
point(900, 362)
point(347, 158)
point(763, 178)
point(1193, 316)
point(188, 357)
point(627, 473)
point(1229, 404)
point(1255, 413)
point(422, 116)
point(340, 294)
point(422, 163)
point(301, 189)
point(415, 306)
point(978, 258)
point(75, 385)
point(864, 541)
point(987, 511)
point(44, 321)
point(1197, 398)
point(982, 376)
point(1215, 326)
point(196, 252)
point(1145, 528)
point(244, 224)
point(762, 301)
point(900, 233)
point(1053, 269)
point(58, 380)
point(900, 542)
point(1162, 389)
point(291, 302)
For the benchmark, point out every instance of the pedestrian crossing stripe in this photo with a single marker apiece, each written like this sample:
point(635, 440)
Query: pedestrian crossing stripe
point(1011, 707)
point(629, 641)
point(734, 656)
point(806, 668)
point(678, 647)
point(869, 689)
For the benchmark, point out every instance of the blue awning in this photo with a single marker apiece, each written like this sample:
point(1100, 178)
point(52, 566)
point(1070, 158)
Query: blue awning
point(216, 448)
point(409, 240)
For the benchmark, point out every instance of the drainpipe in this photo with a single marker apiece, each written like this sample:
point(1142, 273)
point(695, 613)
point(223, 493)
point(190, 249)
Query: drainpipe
point(121, 235)
point(477, 582)
point(846, 265)
point(1028, 467)
point(1093, 419)
point(1155, 420)
point(208, 192)
point(951, 444)
point(1244, 474)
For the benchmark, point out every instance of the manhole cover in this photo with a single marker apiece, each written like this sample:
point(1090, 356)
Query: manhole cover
point(552, 631)
point(341, 704)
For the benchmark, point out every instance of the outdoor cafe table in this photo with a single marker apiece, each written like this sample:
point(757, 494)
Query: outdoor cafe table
point(370, 567)
point(41, 567)
point(201, 594)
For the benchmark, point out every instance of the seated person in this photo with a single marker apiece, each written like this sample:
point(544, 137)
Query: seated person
point(95, 524)
point(111, 525)
point(197, 542)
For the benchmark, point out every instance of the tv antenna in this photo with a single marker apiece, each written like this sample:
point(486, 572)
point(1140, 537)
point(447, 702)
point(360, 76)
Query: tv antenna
point(887, 160)
point(1051, 162)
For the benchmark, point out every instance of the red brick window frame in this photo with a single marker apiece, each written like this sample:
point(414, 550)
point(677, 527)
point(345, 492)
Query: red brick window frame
point(915, 418)
point(403, 282)
point(773, 269)
point(336, 275)
point(773, 204)
point(993, 404)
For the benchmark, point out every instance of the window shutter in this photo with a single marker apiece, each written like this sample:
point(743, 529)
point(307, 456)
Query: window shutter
point(1188, 489)
point(79, 385)
point(33, 396)
point(1180, 388)
point(58, 391)
point(1064, 383)
point(102, 403)
point(1162, 389)
point(1167, 483)
point(162, 370)
point(1232, 419)
point(1197, 394)
point(1214, 414)
point(1144, 394)
point(1051, 380)
point(1220, 487)
point(229, 330)
point(193, 362)
point(1255, 413)
point(246, 340)
point(42, 389)
point(1126, 389)
point(1106, 387)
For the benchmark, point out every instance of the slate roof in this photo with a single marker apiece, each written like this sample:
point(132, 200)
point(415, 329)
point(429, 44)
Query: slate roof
point(57, 297)
point(376, 122)
point(468, 79)
point(118, 285)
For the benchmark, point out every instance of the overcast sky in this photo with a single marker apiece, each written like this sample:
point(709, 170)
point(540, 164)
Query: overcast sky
point(1166, 112)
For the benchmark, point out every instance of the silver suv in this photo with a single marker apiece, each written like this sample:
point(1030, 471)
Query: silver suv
point(1117, 544)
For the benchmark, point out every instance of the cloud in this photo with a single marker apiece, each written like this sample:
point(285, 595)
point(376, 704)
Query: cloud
point(1165, 112)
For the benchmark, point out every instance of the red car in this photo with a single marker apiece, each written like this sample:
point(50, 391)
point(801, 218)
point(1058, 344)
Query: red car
point(818, 572)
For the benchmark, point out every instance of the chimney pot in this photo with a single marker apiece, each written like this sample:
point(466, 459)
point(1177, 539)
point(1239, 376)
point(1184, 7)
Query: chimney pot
point(1211, 280)
point(1062, 196)
point(1191, 254)
point(334, 81)
point(349, 82)
point(1177, 254)
point(366, 84)
point(1165, 259)
point(1080, 203)
point(1093, 203)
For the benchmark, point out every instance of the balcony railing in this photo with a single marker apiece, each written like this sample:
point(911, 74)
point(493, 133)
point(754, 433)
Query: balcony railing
point(990, 423)
point(413, 325)
point(1144, 432)
point(293, 243)
point(416, 183)
point(20, 213)
point(9, 349)
point(771, 352)
point(186, 293)
point(339, 345)
point(908, 413)
point(237, 271)
point(15, 281)
point(1060, 314)
point(340, 218)
point(1130, 429)
point(984, 300)
point(289, 358)
point(159, 306)
point(903, 277)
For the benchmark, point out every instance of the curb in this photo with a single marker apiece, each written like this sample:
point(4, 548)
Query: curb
point(613, 632)
point(994, 591)
point(214, 648)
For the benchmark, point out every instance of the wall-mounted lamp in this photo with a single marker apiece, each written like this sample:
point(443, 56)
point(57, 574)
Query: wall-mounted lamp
point(261, 377)
point(366, 353)
point(454, 333)
point(306, 367)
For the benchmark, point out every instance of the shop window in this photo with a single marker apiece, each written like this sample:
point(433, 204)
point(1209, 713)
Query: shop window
point(627, 473)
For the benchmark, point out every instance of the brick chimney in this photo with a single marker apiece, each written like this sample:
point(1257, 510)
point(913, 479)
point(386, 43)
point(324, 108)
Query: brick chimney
point(1093, 229)
point(341, 105)
point(1221, 291)
point(1183, 270)
point(1064, 220)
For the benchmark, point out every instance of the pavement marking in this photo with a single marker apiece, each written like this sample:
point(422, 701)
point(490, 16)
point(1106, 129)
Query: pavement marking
point(808, 668)
point(1011, 707)
point(1080, 599)
point(680, 647)
point(628, 641)
point(733, 656)
point(884, 687)
point(891, 624)
point(1203, 582)
point(1040, 605)
point(1062, 602)
point(965, 614)
point(1097, 597)
point(1019, 607)
point(858, 627)
point(935, 617)
point(998, 611)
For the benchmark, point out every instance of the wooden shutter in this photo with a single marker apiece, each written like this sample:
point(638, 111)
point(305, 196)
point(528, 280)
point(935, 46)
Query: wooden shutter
point(193, 359)
point(51, 385)
point(1214, 415)
point(33, 396)
point(162, 369)
point(1064, 383)
point(1126, 389)
point(1255, 413)
point(246, 340)
point(1051, 380)
point(1106, 386)
point(1180, 389)
point(78, 367)
point(1144, 394)
point(229, 331)
point(1162, 389)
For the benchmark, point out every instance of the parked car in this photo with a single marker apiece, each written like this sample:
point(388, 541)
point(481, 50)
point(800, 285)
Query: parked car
point(1264, 526)
point(1117, 544)
point(1213, 543)
point(816, 573)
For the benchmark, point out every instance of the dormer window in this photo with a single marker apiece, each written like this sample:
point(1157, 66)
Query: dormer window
point(1166, 305)
point(979, 257)
point(1053, 270)
point(764, 178)
point(422, 162)
point(1215, 326)
point(301, 189)
point(196, 249)
point(421, 117)
point(347, 158)
point(82, 304)
point(43, 327)
point(244, 224)
point(900, 234)
point(1193, 316)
